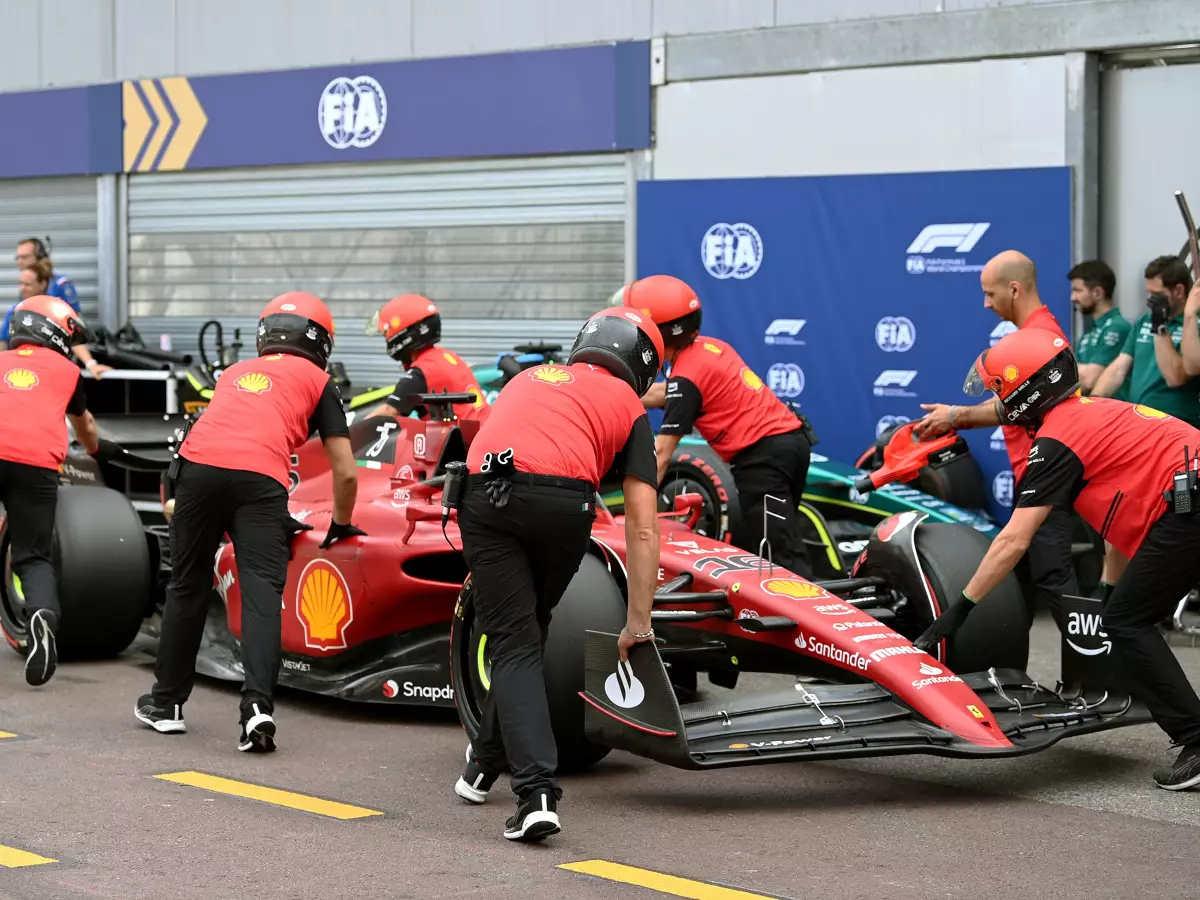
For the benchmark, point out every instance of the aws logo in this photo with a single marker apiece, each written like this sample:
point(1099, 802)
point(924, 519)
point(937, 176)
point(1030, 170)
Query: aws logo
point(21, 379)
point(254, 383)
point(551, 375)
point(752, 381)
point(323, 606)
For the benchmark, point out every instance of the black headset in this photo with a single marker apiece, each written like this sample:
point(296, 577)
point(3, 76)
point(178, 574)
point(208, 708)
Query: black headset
point(40, 250)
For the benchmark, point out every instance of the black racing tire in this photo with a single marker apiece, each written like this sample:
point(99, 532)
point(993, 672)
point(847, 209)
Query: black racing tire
point(698, 469)
point(592, 601)
point(102, 562)
point(997, 631)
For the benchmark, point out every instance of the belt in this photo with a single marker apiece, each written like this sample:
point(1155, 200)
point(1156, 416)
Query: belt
point(479, 479)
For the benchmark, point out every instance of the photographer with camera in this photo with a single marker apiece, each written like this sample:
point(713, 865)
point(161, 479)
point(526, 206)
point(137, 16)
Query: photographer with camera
point(1151, 358)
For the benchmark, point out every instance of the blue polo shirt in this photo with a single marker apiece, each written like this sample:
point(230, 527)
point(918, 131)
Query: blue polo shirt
point(61, 287)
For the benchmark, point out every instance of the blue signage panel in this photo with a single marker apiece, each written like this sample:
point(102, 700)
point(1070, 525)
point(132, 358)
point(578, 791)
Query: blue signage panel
point(859, 296)
point(75, 131)
point(573, 100)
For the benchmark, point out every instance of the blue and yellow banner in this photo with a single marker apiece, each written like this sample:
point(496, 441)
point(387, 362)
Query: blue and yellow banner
point(163, 123)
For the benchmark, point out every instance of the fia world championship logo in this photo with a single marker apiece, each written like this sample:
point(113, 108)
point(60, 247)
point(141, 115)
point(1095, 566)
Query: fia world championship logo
point(352, 112)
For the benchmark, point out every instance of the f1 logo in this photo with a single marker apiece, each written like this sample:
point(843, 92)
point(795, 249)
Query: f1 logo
point(961, 236)
point(895, 377)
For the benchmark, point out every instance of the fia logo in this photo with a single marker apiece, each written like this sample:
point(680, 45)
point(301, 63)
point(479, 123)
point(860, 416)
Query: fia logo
point(786, 379)
point(352, 112)
point(1002, 488)
point(731, 251)
point(895, 334)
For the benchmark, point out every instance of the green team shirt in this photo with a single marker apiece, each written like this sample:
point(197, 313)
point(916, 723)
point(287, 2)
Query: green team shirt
point(1146, 384)
point(1104, 343)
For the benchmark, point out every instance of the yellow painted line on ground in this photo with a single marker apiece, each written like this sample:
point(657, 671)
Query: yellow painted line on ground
point(657, 881)
point(291, 800)
point(12, 858)
point(6, 734)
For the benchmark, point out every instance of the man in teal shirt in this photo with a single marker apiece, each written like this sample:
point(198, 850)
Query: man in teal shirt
point(1151, 358)
point(1092, 285)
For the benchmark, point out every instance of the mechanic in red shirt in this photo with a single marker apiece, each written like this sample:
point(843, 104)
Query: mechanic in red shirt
point(526, 520)
point(1009, 282)
point(711, 388)
point(233, 479)
point(412, 326)
point(39, 384)
point(1111, 461)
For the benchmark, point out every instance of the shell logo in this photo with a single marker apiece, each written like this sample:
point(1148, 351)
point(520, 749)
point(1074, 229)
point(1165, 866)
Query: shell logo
point(449, 357)
point(273, 357)
point(474, 389)
point(712, 348)
point(254, 383)
point(750, 380)
point(21, 379)
point(551, 375)
point(1010, 373)
point(323, 606)
point(1149, 412)
point(793, 587)
point(25, 351)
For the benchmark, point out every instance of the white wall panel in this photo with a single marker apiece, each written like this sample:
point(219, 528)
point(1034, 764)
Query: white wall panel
point(76, 41)
point(231, 35)
point(20, 58)
point(145, 38)
point(1147, 152)
point(322, 35)
point(690, 16)
point(991, 114)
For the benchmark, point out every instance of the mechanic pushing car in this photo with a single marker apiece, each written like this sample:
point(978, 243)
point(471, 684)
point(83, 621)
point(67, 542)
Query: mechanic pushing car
point(1126, 470)
point(40, 384)
point(412, 326)
point(1009, 282)
point(233, 478)
point(710, 387)
point(526, 519)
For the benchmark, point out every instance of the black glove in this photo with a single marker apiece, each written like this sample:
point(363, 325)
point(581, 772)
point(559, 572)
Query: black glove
point(1160, 306)
point(945, 624)
point(295, 526)
point(107, 450)
point(337, 532)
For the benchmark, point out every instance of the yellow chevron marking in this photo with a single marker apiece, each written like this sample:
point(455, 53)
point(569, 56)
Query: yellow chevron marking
point(192, 122)
point(160, 132)
point(137, 123)
point(12, 858)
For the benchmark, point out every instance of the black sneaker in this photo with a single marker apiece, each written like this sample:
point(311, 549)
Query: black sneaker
point(258, 730)
point(165, 718)
point(43, 654)
point(536, 818)
point(1181, 774)
point(475, 782)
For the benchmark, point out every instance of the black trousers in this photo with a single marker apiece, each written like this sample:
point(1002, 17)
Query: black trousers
point(1164, 569)
point(521, 559)
point(778, 466)
point(252, 508)
point(30, 497)
point(1046, 571)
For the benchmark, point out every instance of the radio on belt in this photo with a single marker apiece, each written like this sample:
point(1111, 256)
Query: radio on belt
point(1182, 493)
point(452, 489)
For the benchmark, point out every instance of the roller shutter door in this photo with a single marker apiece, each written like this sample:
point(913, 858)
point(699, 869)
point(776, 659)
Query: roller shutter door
point(63, 209)
point(511, 250)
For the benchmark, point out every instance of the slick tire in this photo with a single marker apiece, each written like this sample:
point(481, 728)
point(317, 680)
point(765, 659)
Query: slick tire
point(997, 631)
point(592, 601)
point(696, 468)
point(103, 566)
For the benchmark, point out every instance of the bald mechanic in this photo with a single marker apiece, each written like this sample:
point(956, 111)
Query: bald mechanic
point(1009, 282)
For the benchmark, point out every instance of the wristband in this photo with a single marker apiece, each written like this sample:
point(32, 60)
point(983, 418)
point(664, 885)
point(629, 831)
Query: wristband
point(641, 637)
point(951, 416)
point(91, 363)
point(967, 597)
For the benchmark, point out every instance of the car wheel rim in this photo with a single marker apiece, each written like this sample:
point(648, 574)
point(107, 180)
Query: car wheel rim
point(679, 484)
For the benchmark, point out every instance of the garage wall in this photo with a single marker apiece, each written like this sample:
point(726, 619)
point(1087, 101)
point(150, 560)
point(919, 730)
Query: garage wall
point(511, 250)
point(952, 116)
point(1147, 152)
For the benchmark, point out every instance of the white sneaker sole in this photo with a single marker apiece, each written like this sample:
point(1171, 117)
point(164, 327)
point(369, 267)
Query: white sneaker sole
point(1183, 785)
point(260, 734)
point(162, 726)
point(468, 793)
point(535, 826)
